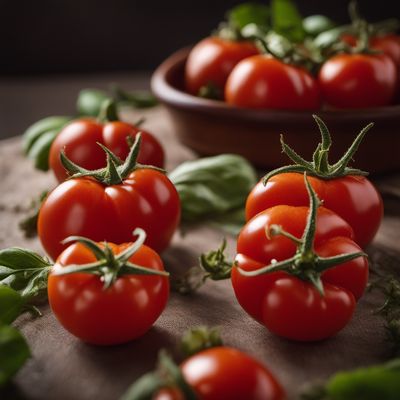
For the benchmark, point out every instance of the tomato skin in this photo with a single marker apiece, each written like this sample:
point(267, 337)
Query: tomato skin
point(146, 199)
point(226, 373)
point(265, 82)
point(285, 304)
point(79, 140)
point(354, 198)
point(121, 313)
point(212, 60)
point(358, 80)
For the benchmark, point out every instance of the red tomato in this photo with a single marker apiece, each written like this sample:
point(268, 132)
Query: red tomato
point(79, 140)
point(212, 60)
point(286, 305)
point(225, 373)
point(85, 207)
point(354, 198)
point(120, 313)
point(265, 82)
point(358, 80)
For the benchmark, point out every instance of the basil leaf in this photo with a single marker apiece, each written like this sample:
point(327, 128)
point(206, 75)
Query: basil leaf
point(24, 271)
point(14, 352)
point(249, 13)
point(35, 131)
point(89, 102)
point(136, 99)
point(11, 303)
point(286, 20)
point(211, 187)
point(39, 151)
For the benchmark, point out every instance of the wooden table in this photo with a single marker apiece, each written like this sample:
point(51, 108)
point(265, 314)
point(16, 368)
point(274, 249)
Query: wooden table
point(62, 367)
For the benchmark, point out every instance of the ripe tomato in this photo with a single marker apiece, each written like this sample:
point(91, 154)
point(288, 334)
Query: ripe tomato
point(287, 305)
point(79, 140)
point(265, 82)
point(354, 198)
point(85, 207)
point(358, 80)
point(212, 60)
point(226, 373)
point(104, 316)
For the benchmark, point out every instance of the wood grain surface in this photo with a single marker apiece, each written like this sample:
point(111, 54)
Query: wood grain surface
point(62, 367)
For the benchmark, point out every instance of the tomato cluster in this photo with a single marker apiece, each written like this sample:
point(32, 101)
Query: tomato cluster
point(348, 79)
point(300, 270)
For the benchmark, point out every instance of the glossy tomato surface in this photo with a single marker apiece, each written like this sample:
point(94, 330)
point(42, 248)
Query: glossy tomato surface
point(212, 60)
point(226, 373)
point(285, 304)
point(79, 140)
point(358, 80)
point(146, 199)
point(354, 198)
point(265, 82)
point(123, 312)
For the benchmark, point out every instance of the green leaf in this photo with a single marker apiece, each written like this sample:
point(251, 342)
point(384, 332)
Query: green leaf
point(89, 102)
point(35, 131)
point(24, 271)
point(14, 352)
point(39, 151)
point(211, 187)
point(286, 20)
point(11, 303)
point(249, 13)
point(330, 37)
point(313, 25)
point(136, 99)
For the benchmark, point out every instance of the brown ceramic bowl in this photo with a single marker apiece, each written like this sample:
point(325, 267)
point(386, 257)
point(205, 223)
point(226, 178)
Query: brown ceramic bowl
point(212, 127)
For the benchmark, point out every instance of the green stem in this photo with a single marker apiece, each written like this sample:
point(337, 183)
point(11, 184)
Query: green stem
point(108, 111)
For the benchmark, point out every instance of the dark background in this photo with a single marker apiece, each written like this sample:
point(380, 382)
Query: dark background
point(46, 36)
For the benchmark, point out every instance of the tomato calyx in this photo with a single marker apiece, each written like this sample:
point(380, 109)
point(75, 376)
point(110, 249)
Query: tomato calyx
point(166, 375)
point(305, 264)
point(109, 266)
point(108, 111)
point(320, 166)
point(212, 265)
point(199, 339)
point(115, 171)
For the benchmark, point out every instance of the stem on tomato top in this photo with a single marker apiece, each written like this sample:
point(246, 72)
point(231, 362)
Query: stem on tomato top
point(109, 266)
point(320, 166)
point(108, 111)
point(115, 171)
point(305, 264)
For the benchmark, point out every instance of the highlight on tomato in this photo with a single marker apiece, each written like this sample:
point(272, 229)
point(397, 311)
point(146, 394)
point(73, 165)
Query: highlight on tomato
point(343, 189)
point(297, 270)
point(216, 373)
point(107, 294)
point(107, 204)
point(79, 140)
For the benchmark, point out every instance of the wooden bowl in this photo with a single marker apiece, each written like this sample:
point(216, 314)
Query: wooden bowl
point(213, 127)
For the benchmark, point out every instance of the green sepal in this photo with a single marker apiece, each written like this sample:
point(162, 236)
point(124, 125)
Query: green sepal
point(136, 99)
point(199, 339)
point(320, 166)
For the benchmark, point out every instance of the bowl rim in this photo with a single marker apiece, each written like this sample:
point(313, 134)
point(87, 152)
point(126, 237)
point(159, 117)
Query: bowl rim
point(166, 93)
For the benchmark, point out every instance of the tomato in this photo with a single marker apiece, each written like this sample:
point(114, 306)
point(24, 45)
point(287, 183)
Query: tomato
point(358, 80)
point(79, 140)
point(104, 316)
point(287, 304)
point(226, 373)
point(105, 209)
point(212, 60)
point(389, 44)
point(354, 198)
point(265, 82)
